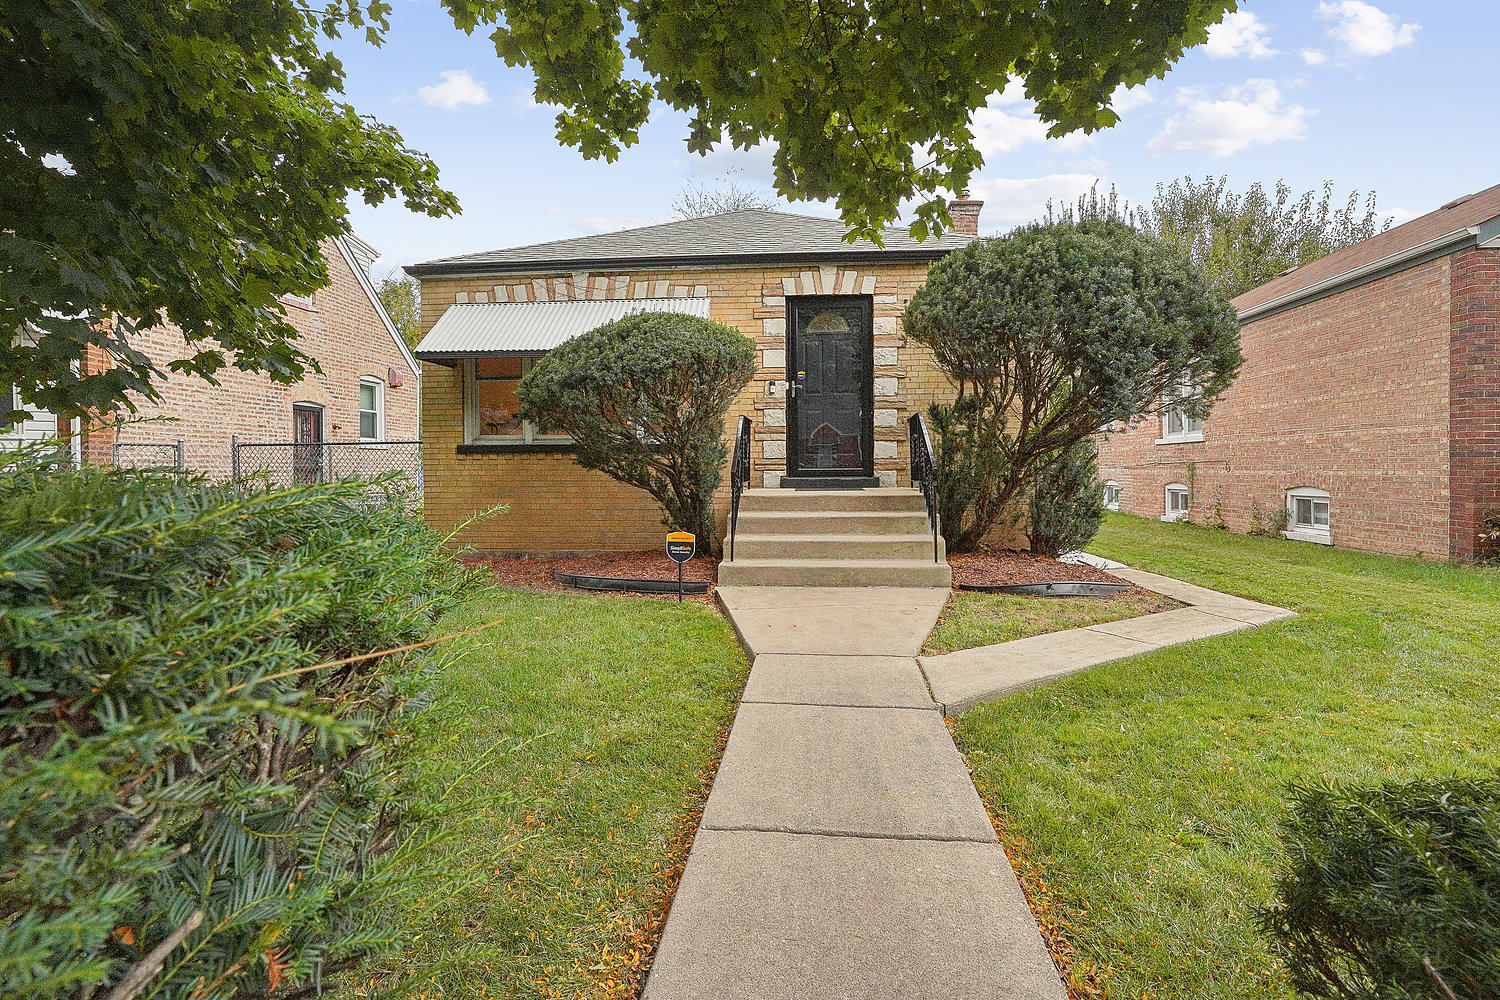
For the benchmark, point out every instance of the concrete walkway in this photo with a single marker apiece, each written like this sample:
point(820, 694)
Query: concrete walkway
point(844, 852)
point(971, 676)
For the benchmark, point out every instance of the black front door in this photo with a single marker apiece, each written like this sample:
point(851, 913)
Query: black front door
point(830, 412)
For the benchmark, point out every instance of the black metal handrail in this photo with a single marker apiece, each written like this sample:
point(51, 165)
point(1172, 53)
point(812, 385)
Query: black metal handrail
point(924, 472)
point(739, 475)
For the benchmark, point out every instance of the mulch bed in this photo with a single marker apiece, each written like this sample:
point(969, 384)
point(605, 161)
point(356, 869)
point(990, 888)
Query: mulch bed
point(993, 566)
point(997, 566)
point(535, 572)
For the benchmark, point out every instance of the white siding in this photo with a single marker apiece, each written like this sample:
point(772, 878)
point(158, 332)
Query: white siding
point(41, 425)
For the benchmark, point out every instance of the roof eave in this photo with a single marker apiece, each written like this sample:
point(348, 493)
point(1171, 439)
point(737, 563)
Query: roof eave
point(433, 269)
point(451, 358)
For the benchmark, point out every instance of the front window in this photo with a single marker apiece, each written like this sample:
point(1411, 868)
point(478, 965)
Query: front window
point(1177, 422)
point(1112, 495)
point(1177, 502)
point(493, 408)
point(1309, 515)
point(371, 409)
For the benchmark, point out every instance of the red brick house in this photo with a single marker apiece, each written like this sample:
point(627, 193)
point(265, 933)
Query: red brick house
point(1368, 409)
point(366, 392)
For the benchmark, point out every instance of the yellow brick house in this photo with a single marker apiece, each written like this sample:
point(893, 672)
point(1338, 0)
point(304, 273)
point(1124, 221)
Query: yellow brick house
point(828, 405)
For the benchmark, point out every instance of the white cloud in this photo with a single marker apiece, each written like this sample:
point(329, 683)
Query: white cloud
point(1125, 98)
point(1013, 93)
point(1314, 57)
point(457, 89)
point(997, 131)
point(1249, 115)
point(1365, 29)
point(1241, 33)
point(1011, 201)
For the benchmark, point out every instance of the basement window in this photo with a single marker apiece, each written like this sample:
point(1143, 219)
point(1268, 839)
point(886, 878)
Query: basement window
point(1309, 516)
point(1112, 495)
point(1177, 502)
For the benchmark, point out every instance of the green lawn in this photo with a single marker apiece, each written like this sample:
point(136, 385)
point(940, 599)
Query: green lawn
point(1144, 794)
point(600, 717)
point(979, 619)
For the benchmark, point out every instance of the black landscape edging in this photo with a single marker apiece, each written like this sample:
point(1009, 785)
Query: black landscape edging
point(583, 581)
point(1069, 588)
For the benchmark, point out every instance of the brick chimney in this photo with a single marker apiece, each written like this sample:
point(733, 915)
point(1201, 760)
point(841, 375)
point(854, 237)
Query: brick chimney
point(965, 214)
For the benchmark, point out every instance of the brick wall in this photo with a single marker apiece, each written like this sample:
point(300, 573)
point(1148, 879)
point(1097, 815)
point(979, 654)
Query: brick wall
point(338, 326)
point(1474, 396)
point(1349, 394)
point(554, 504)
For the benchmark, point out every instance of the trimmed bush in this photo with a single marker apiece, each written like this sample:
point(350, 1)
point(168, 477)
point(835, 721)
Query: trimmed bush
point(645, 398)
point(200, 800)
point(1049, 333)
point(1068, 505)
point(1381, 883)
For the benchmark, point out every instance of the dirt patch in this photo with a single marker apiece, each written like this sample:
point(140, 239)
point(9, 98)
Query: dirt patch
point(535, 572)
point(991, 567)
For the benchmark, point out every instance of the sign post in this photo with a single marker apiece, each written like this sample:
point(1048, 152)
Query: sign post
point(680, 548)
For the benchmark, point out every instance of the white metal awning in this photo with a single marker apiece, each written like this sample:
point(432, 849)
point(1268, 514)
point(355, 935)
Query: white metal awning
point(501, 329)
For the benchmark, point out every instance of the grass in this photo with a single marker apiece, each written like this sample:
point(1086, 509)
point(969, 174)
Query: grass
point(1143, 796)
point(594, 722)
point(979, 619)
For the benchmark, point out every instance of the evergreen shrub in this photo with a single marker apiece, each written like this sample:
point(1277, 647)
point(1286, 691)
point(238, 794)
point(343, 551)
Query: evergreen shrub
point(1391, 893)
point(1068, 505)
point(198, 800)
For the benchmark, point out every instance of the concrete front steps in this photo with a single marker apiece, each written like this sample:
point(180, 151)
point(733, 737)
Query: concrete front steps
point(834, 538)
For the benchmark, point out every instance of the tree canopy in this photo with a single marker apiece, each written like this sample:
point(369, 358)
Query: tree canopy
point(869, 105)
point(1240, 240)
point(177, 161)
point(1049, 333)
point(644, 399)
point(401, 295)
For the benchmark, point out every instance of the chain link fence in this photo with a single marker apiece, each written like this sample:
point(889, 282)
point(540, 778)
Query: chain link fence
point(292, 464)
point(169, 456)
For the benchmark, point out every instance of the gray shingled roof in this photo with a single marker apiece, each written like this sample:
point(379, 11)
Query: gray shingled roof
point(734, 237)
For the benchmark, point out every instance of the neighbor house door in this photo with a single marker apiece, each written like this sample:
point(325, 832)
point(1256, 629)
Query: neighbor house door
point(307, 443)
point(830, 412)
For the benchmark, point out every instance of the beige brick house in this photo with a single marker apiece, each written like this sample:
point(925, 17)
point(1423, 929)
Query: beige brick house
point(1368, 407)
point(836, 383)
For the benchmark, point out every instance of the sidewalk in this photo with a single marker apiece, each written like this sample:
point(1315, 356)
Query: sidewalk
point(969, 677)
point(844, 852)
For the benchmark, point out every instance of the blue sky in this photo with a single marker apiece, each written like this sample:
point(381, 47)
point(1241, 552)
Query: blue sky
point(1385, 95)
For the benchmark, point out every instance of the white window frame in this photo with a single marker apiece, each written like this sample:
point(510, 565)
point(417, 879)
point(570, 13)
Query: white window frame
point(529, 433)
point(1318, 534)
point(1191, 427)
point(1112, 504)
point(1187, 502)
point(379, 384)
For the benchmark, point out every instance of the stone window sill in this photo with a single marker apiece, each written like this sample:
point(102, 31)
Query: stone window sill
point(1180, 439)
point(520, 448)
point(1308, 535)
